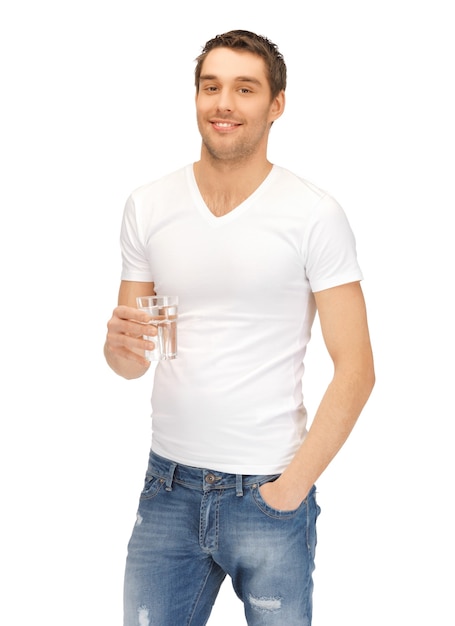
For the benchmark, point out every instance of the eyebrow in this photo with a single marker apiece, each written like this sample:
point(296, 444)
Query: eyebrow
point(241, 79)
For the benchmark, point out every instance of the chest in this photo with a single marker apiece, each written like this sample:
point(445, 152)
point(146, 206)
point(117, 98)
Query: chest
point(221, 204)
point(247, 259)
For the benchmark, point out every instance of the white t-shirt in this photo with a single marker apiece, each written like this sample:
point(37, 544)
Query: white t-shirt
point(232, 401)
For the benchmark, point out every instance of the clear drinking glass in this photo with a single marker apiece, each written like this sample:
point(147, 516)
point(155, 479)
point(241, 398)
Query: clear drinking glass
point(164, 310)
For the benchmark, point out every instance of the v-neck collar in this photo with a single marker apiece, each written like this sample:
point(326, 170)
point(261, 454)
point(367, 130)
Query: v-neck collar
point(237, 211)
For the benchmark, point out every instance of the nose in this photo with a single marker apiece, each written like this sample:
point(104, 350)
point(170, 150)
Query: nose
point(224, 102)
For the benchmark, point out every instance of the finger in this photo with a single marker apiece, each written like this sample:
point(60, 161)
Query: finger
point(121, 326)
point(129, 347)
point(139, 329)
point(130, 313)
point(133, 356)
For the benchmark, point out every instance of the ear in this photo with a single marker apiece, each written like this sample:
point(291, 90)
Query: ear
point(277, 107)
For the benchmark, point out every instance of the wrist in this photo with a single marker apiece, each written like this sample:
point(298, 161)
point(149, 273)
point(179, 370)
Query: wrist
point(296, 487)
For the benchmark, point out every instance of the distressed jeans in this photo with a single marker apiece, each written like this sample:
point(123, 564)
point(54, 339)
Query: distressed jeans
point(194, 527)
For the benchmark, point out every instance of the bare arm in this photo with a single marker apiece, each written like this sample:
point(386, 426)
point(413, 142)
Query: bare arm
point(125, 346)
point(345, 330)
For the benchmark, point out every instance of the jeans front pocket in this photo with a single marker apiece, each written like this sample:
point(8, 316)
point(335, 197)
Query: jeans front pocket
point(265, 508)
point(152, 486)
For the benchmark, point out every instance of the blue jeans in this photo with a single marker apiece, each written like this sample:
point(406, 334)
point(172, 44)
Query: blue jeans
point(194, 527)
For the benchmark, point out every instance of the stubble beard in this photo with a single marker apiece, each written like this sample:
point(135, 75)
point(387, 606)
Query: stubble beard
point(234, 152)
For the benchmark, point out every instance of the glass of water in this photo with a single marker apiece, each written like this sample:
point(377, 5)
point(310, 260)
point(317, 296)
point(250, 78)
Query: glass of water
point(164, 311)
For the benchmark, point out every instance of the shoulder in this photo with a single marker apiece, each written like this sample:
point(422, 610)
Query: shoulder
point(303, 197)
point(163, 185)
point(291, 182)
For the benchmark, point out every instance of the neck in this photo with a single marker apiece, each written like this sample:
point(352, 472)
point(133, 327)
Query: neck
point(224, 185)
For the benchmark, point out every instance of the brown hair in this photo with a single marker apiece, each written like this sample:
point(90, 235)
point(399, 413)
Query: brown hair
point(249, 42)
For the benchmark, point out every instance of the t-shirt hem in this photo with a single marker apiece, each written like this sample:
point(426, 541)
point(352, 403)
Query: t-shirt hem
point(136, 277)
point(336, 282)
point(227, 468)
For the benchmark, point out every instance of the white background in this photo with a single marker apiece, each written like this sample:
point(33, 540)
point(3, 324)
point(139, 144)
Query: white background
point(97, 99)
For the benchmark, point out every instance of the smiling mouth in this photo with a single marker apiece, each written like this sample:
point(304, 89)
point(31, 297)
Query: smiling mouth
point(225, 125)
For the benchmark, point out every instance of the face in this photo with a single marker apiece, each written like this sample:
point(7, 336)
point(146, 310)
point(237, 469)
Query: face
point(234, 105)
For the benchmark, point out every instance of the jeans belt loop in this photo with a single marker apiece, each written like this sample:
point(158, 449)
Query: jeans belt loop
point(170, 477)
point(239, 485)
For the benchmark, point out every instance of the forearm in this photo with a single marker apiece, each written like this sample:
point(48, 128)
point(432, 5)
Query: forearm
point(334, 420)
point(124, 367)
point(344, 327)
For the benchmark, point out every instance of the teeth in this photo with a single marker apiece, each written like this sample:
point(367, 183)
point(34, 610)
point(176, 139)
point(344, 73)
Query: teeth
point(224, 124)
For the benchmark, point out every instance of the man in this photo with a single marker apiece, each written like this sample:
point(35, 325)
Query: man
point(252, 251)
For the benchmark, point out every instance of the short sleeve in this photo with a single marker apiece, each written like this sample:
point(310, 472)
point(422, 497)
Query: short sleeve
point(135, 265)
point(329, 247)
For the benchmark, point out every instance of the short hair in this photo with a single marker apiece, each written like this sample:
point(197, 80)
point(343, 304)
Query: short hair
point(249, 42)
